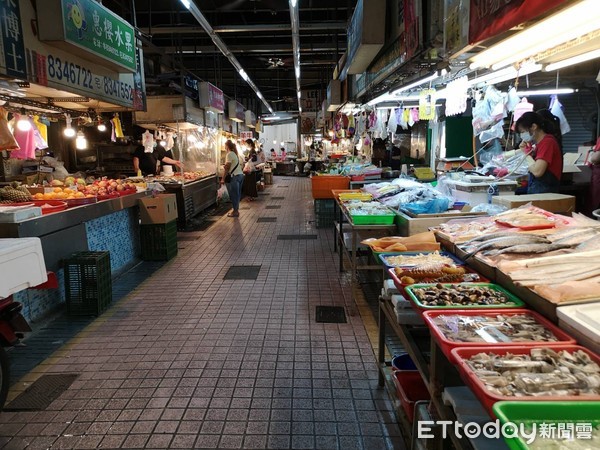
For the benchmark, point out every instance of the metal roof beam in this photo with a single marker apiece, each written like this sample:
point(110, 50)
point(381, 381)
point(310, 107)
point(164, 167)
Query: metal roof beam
point(270, 28)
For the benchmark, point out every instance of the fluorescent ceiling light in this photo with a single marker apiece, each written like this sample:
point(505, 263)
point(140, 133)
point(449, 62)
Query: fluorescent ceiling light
point(508, 73)
point(546, 92)
point(416, 83)
point(297, 71)
point(570, 23)
point(186, 3)
point(572, 61)
point(299, 95)
point(293, 3)
point(381, 98)
point(244, 75)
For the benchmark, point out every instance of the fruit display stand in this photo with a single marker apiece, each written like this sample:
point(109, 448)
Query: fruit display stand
point(110, 225)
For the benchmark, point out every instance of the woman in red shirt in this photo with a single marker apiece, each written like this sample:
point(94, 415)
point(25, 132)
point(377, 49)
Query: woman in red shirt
point(546, 169)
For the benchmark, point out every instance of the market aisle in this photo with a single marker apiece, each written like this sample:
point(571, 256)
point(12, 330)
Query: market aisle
point(192, 360)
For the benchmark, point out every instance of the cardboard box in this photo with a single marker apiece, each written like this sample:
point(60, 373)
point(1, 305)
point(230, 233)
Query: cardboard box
point(556, 203)
point(161, 209)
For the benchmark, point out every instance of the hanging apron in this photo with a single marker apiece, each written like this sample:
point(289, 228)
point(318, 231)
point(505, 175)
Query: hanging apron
point(544, 184)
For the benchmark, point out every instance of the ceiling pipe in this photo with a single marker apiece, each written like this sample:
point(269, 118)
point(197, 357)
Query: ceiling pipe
point(295, 21)
point(191, 6)
point(271, 28)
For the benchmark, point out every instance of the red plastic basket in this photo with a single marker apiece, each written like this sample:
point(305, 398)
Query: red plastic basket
point(81, 201)
point(488, 398)
point(127, 192)
point(108, 196)
point(447, 345)
point(410, 388)
point(55, 205)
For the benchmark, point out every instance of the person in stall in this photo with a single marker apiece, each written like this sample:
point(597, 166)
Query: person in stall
point(146, 159)
point(545, 163)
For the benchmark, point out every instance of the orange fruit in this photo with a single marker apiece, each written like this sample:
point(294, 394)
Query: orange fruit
point(57, 189)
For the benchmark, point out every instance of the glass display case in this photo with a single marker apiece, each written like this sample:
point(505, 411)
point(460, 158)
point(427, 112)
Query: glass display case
point(195, 187)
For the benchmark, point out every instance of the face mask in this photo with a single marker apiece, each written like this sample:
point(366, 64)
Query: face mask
point(526, 136)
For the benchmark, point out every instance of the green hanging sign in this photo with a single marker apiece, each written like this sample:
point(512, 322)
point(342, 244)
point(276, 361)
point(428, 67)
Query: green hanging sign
point(90, 25)
point(89, 28)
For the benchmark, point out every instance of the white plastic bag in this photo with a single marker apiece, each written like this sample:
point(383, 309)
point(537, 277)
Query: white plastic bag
point(557, 109)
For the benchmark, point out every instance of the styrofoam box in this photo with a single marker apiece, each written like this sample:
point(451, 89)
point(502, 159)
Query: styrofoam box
point(409, 317)
point(21, 265)
point(390, 288)
point(400, 302)
point(18, 214)
point(583, 322)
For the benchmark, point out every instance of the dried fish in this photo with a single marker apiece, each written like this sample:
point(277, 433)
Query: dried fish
point(541, 372)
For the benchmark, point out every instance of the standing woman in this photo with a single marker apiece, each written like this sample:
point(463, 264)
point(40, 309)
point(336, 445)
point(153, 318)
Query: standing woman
point(233, 177)
point(546, 169)
point(249, 187)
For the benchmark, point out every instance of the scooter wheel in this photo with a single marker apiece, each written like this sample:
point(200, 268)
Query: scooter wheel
point(4, 377)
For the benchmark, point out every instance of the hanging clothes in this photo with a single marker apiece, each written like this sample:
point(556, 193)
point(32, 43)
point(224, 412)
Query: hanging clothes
point(7, 140)
point(170, 141)
point(402, 119)
point(392, 122)
point(148, 142)
point(25, 139)
point(42, 127)
point(411, 117)
point(117, 131)
point(361, 123)
point(372, 121)
point(382, 120)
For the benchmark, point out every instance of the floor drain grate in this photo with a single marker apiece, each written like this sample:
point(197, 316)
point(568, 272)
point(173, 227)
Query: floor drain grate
point(273, 207)
point(278, 198)
point(331, 314)
point(42, 392)
point(267, 220)
point(296, 237)
point(242, 273)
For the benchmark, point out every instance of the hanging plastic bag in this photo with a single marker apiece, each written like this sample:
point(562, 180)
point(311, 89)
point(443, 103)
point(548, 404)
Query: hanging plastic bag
point(495, 132)
point(222, 195)
point(523, 107)
point(512, 99)
point(558, 110)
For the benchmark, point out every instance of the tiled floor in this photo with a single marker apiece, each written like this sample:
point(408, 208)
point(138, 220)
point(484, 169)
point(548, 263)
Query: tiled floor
point(189, 360)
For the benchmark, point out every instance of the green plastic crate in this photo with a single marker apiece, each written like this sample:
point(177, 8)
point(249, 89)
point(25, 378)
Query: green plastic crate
point(159, 241)
point(529, 412)
point(324, 213)
point(516, 302)
point(88, 283)
point(385, 219)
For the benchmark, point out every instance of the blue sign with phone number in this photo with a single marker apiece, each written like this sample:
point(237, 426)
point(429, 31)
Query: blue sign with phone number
point(65, 72)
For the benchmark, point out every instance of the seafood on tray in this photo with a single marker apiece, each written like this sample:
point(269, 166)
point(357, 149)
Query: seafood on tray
point(460, 295)
point(526, 217)
point(493, 329)
point(434, 273)
point(511, 242)
point(421, 259)
point(542, 372)
point(561, 278)
point(418, 242)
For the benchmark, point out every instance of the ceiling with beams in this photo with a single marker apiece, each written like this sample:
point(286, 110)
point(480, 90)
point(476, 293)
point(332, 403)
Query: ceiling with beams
point(258, 32)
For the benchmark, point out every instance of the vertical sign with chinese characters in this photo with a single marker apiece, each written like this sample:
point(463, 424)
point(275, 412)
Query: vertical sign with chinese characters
point(12, 57)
